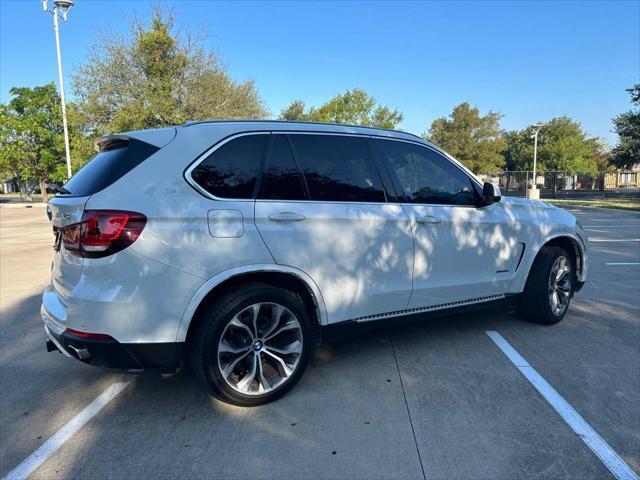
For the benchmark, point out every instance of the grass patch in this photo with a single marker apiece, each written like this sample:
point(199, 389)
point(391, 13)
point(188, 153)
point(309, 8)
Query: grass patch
point(619, 203)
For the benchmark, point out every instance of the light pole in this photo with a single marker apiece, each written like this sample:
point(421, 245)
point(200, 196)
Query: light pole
point(533, 191)
point(61, 8)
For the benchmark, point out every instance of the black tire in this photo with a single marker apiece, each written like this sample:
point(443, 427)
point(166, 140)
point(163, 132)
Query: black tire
point(203, 348)
point(535, 303)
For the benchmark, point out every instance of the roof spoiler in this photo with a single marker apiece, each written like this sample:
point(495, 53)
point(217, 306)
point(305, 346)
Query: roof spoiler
point(110, 142)
point(158, 137)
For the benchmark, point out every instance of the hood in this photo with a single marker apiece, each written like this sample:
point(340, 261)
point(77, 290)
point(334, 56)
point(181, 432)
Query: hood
point(517, 202)
point(525, 210)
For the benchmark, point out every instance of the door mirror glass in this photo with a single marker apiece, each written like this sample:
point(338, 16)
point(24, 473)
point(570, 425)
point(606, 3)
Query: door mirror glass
point(491, 193)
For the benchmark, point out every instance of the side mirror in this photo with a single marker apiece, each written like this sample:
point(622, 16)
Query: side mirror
point(491, 193)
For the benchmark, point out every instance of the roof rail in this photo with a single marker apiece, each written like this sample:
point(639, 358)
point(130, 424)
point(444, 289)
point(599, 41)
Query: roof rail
point(304, 122)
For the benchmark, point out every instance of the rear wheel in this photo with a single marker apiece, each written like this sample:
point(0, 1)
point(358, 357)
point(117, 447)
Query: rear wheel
point(252, 345)
point(549, 287)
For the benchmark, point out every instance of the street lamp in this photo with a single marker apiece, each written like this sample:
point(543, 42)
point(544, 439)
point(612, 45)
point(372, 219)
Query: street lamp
point(61, 8)
point(533, 191)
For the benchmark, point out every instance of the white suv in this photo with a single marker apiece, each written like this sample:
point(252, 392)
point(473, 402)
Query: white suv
point(238, 246)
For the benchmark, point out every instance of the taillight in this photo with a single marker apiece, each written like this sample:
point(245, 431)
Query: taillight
point(102, 232)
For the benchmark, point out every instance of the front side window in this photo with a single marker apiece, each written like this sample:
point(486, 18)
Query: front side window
point(338, 168)
point(231, 170)
point(426, 176)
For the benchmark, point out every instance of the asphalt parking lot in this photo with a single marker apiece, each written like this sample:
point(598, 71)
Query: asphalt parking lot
point(436, 399)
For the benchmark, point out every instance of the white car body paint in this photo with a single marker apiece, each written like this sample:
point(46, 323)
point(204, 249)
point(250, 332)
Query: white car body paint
point(358, 260)
point(213, 282)
point(359, 254)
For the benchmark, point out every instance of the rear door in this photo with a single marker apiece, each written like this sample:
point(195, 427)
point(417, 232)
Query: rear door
point(322, 207)
point(462, 252)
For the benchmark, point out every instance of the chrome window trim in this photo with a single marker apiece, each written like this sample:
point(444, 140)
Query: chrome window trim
point(430, 146)
point(468, 173)
point(188, 172)
point(341, 134)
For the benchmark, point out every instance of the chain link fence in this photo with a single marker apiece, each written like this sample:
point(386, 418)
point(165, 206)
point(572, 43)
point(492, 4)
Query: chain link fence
point(620, 184)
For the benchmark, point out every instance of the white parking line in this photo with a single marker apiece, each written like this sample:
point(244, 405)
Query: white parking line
point(589, 227)
point(596, 240)
point(604, 452)
point(622, 263)
point(58, 439)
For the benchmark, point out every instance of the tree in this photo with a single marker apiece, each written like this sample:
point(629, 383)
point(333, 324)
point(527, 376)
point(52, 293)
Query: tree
point(627, 125)
point(295, 111)
point(154, 77)
point(562, 146)
point(353, 107)
point(601, 154)
point(31, 138)
point(518, 152)
point(473, 139)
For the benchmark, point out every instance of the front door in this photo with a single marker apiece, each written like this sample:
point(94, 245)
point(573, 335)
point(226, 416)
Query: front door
point(322, 208)
point(462, 252)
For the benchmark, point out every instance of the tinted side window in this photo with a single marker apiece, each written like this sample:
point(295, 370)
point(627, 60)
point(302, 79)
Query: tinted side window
point(338, 168)
point(231, 170)
point(281, 179)
point(107, 166)
point(426, 176)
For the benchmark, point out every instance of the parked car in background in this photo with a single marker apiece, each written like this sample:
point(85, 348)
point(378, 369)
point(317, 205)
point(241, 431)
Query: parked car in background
point(239, 246)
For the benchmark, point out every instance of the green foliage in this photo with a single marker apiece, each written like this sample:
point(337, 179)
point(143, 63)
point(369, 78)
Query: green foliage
point(473, 139)
point(295, 111)
point(518, 153)
point(627, 125)
point(153, 77)
point(31, 137)
point(562, 146)
point(601, 154)
point(353, 107)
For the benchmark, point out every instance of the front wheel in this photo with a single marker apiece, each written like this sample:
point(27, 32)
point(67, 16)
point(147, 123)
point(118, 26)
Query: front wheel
point(252, 345)
point(549, 288)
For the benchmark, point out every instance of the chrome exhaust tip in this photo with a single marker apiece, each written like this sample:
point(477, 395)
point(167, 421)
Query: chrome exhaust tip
point(80, 353)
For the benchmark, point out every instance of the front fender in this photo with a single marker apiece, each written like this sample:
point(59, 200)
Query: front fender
point(579, 242)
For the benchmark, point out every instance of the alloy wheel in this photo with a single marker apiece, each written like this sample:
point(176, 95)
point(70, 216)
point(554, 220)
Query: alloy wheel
point(260, 348)
point(560, 285)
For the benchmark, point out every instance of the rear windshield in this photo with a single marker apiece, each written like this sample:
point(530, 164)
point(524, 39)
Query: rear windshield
point(108, 166)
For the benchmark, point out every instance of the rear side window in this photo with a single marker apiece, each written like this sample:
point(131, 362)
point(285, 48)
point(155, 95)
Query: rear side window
point(426, 176)
point(232, 169)
point(281, 179)
point(338, 168)
point(113, 162)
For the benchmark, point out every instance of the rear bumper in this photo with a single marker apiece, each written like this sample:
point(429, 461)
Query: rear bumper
point(109, 353)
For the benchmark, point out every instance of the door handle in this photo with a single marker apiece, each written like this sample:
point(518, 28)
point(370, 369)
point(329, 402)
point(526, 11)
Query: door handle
point(287, 217)
point(428, 219)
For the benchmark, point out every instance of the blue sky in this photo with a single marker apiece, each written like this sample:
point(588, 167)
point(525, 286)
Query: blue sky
point(529, 60)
